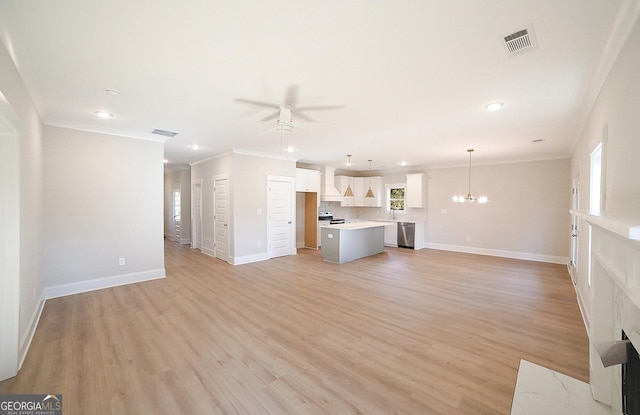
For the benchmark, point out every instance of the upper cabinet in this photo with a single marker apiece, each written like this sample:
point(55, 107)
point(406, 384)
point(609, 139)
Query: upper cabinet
point(307, 180)
point(414, 190)
point(360, 187)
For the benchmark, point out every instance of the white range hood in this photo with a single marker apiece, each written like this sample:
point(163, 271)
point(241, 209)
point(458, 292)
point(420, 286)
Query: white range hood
point(328, 191)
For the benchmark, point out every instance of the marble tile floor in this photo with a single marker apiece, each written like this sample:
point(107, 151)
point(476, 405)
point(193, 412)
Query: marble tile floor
point(542, 391)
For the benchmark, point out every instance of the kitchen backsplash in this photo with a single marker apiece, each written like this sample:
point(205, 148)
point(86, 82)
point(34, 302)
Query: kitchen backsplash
point(411, 214)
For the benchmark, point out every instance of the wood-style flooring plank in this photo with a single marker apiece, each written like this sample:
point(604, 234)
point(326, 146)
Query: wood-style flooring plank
point(405, 332)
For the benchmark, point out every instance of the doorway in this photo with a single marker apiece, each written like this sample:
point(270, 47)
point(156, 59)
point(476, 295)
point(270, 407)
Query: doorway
point(575, 205)
point(176, 212)
point(196, 214)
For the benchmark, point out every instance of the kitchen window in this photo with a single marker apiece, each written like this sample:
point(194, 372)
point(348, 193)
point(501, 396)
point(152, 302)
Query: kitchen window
point(396, 197)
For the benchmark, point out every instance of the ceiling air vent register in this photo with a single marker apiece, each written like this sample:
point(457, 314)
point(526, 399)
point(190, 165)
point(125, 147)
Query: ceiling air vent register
point(520, 41)
point(165, 133)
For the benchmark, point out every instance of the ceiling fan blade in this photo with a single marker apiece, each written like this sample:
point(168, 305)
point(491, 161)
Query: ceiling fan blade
point(271, 117)
point(292, 95)
point(304, 117)
point(259, 103)
point(320, 107)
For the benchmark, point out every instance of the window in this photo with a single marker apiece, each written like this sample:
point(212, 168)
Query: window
point(595, 182)
point(596, 190)
point(396, 196)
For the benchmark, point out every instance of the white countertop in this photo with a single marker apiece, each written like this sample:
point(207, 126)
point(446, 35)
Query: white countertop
point(358, 225)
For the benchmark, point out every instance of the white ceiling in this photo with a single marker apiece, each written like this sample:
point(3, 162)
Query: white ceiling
point(412, 76)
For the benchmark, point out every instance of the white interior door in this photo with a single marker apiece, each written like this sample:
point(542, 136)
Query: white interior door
point(176, 212)
point(9, 243)
point(196, 215)
point(221, 218)
point(575, 205)
point(280, 207)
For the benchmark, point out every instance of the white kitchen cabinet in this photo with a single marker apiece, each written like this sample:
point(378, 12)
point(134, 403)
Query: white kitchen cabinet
point(414, 190)
point(391, 234)
point(358, 190)
point(307, 180)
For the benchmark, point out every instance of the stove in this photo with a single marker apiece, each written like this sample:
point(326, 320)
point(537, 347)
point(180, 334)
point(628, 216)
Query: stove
point(328, 216)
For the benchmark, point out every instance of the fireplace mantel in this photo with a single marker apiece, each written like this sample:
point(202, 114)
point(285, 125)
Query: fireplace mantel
point(614, 293)
point(626, 225)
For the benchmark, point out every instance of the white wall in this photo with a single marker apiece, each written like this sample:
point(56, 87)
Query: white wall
point(183, 178)
point(26, 153)
point(614, 115)
point(103, 199)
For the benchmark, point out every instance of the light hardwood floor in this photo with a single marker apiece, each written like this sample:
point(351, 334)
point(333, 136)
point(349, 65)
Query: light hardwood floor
point(402, 332)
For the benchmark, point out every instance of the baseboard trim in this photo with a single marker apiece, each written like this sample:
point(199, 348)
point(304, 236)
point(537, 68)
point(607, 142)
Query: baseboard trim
point(499, 253)
point(247, 259)
point(27, 337)
point(100, 283)
point(207, 251)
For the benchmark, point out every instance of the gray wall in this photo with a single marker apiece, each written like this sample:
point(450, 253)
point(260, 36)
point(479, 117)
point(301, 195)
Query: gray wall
point(247, 193)
point(250, 194)
point(527, 211)
point(103, 201)
point(526, 217)
point(205, 170)
point(615, 115)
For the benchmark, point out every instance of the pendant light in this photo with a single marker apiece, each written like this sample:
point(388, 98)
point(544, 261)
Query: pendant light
point(468, 197)
point(369, 192)
point(349, 192)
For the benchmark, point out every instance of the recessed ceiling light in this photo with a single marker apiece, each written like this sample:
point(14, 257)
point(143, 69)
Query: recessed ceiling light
point(494, 106)
point(104, 115)
point(165, 161)
point(290, 149)
point(112, 92)
point(403, 163)
point(195, 147)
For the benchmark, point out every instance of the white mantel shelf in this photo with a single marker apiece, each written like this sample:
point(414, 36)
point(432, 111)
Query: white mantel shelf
point(626, 225)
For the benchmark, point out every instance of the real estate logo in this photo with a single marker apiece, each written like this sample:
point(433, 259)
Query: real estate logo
point(31, 404)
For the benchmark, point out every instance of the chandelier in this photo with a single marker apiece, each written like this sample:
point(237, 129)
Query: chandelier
point(468, 197)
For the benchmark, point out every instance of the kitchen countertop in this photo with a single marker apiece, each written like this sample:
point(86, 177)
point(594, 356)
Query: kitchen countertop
point(393, 221)
point(358, 225)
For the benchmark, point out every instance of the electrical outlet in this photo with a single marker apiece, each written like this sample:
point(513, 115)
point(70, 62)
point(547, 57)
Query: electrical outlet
point(121, 261)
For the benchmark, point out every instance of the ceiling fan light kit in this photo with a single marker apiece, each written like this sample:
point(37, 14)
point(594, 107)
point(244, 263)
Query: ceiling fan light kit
point(469, 198)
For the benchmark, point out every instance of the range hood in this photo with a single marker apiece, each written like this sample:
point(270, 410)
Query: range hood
point(328, 191)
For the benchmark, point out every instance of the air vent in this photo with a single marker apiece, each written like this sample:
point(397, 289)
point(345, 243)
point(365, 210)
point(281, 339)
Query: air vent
point(520, 41)
point(164, 133)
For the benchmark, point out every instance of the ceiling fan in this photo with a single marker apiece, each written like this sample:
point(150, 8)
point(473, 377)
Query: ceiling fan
point(287, 110)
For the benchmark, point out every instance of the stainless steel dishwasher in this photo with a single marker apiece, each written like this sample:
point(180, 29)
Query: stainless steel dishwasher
point(406, 234)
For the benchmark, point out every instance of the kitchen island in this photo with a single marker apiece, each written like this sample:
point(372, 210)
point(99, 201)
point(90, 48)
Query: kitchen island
point(349, 241)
